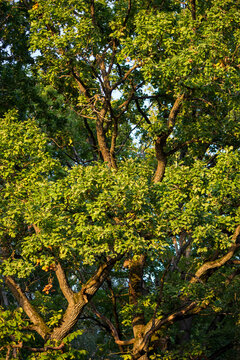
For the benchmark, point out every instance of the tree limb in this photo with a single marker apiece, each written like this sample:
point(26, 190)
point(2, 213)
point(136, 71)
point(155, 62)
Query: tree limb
point(174, 112)
point(144, 115)
point(39, 324)
point(180, 146)
point(218, 262)
point(114, 86)
point(82, 298)
point(193, 9)
point(160, 143)
point(128, 12)
point(63, 283)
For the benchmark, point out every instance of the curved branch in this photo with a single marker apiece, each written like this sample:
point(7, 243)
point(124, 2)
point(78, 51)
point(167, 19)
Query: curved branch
point(112, 328)
point(155, 324)
point(82, 298)
point(39, 324)
point(193, 307)
point(218, 262)
point(174, 112)
point(83, 88)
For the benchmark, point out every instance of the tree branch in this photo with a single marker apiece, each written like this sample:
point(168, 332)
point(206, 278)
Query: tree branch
point(144, 115)
point(127, 137)
point(114, 51)
point(218, 262)
point(113, 143)
point(114, 86)
point(180, 146)
point(64, 152)
point(155, 324)
point(63, 283)
point(128, 12)
point(37, 350)
point(82, 298)
point(174, 112)
point(39, 324)
point(193, 9)
point(83, 88)
point(92, 10)
point(126, 103)
point(112, 328)
point(162, 139)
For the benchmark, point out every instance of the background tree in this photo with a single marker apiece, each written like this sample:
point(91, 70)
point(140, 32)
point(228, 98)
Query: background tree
point(123, 193)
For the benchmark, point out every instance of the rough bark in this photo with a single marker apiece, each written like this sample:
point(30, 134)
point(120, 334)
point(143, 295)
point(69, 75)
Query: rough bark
point(39, 324)
point(220, 261)
point(160, 143)
point(78, 301)
point(161, 158)
point(193, 9)
point(190, 308)
point(103, 144)
point(136, 267)
point(63, 283)
point(154, 324)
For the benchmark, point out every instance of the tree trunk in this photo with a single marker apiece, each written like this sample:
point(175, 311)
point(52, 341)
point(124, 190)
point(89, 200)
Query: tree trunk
point(161, 158)
point(135, 292)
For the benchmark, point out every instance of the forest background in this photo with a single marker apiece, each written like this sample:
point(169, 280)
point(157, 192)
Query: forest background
point(119, 179)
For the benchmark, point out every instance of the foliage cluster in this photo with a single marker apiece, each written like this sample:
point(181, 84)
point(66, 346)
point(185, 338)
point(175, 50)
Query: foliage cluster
point(119, 179)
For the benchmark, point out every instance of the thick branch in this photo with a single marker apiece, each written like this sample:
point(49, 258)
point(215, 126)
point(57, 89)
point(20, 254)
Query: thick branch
point(39, 324)
point(82, 87)
point(100, 119)
point(193, 9)
point(63, 283)
point(136, 267)
point(92, 10)
point(40, 350)
point(82, 298)
point(104, 73)
point(218, 262)
point(162, 139)
point(174, 112)
point(191, 308)
point(103, 144)
point(161, 158)
point(155, 324)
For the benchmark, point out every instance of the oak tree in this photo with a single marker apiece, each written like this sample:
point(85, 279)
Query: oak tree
point(120, 202)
